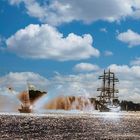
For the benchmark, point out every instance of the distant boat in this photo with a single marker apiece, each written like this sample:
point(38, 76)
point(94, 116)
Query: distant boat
point(29, 97)
point(108, 101)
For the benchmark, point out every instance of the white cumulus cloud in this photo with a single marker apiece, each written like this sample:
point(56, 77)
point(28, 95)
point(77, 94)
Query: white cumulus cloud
point(19, 80)
point(83, 84)
point(46, 42)
point(135, 61)
point(85, 67)
point(130, 37)
point(129, 77)
point(60, 11)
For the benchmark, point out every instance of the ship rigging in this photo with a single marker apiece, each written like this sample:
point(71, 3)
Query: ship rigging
point(108, 99)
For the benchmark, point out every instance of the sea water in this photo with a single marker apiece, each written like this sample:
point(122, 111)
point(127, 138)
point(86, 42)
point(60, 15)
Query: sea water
point(70, 125)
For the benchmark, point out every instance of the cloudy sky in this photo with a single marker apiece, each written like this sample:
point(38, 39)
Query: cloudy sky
point(64, 45)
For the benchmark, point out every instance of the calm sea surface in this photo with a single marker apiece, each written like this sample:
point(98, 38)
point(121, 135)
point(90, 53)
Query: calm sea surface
point(70, 126)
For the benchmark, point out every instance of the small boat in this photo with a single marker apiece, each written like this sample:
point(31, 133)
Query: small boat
point(29, 97)
point(25, 106)
point(24, 109)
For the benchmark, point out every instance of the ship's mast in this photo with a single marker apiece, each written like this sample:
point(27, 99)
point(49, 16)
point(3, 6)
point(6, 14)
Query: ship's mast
point(26, 101)
point(107, 91)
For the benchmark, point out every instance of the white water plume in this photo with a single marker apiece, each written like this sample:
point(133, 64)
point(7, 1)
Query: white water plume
point(65, 98)
point(8, 101)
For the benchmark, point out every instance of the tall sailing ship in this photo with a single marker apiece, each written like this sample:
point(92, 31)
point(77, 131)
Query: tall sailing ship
point(108, 99)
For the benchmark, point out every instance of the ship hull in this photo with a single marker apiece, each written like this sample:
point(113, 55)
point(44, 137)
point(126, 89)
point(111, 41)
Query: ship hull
point(104, 108)
point(25, 110)
point(114, 108)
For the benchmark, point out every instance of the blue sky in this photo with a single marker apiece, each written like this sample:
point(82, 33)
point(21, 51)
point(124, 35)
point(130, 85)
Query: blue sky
point(14, 18)
point(114, 28)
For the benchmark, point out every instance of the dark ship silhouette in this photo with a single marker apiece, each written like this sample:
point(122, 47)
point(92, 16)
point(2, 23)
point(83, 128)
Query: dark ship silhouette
point(29, 97)
point(35, 94)
point(108, 100)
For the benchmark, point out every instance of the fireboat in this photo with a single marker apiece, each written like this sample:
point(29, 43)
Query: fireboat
point(25, 106)
point(29, 97)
